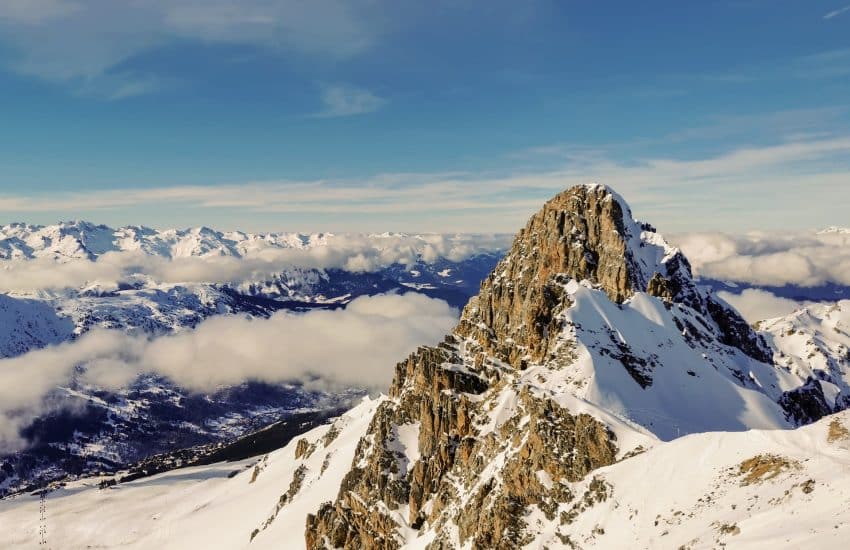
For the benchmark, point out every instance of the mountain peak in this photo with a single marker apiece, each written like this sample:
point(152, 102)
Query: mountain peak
point(835, 230)
point(588, 343)
point(586, 233)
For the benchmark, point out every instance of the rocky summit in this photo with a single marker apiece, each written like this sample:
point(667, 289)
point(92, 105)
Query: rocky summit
point(588, 343)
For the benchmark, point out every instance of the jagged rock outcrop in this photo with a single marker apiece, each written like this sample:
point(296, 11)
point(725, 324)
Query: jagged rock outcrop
point(584, 233)
point(419, 480)
point(502, 422)
point(806, 403)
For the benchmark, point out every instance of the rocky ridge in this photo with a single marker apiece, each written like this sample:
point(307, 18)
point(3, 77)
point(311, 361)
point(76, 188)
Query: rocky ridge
point(588, 342)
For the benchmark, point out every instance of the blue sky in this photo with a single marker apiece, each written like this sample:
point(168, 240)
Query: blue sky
point(423, 116)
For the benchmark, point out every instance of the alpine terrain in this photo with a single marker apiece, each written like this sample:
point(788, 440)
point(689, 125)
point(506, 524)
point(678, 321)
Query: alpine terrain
point(63, 281)
point(592, 395)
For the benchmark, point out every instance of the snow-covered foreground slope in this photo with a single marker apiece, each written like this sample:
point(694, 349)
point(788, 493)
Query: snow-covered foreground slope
point(755, 489)
point(217, 506)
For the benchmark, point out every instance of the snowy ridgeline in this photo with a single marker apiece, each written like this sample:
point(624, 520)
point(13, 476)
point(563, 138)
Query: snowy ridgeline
point(84, 240)
point(61, 280)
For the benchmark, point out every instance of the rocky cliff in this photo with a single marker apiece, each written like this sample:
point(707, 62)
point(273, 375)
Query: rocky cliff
point(585, 233)
point(587, 343)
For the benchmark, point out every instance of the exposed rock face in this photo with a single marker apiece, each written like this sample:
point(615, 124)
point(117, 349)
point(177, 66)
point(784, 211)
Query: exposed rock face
point(540, 447)
point(584, 233)
point(807, 403)
point(467, 446)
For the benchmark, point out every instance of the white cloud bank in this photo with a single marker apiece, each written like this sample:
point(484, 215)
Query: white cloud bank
point(756, 305)
point(356, 346)
point(803, 259)
point(772, 259)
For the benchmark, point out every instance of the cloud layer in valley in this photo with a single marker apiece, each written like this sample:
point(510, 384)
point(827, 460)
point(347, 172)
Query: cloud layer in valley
point(771, 259)
point(755, 304)
point(336, 347)
point(802, 259)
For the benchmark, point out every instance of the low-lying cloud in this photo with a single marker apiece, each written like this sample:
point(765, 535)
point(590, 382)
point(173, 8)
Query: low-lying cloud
point(770, 259)
point(356, 346)
point(756, 305)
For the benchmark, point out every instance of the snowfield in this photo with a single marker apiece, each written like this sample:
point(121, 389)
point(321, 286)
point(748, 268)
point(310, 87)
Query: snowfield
point(694, 382)
point(217, 506)
point(698, 491)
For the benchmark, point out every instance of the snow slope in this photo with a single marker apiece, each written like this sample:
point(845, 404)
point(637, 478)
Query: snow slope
point(689, 493)
point(217, 506)
point(814, 342)
point(699, 491)
point(693, 382)
point(29, 324)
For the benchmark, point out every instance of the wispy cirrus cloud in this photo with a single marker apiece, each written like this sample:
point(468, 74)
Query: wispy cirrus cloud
point(86, 44)
point(797, 183)
point(341, 100)
point(837, 12)
point(36, 11)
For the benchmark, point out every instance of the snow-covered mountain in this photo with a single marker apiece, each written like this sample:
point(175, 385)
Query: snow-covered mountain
point(834, 229)
point(593, 395)
point(30, 324)
point(114, 278)
point(588, 343)
point(84, 240)
point(813, 343)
